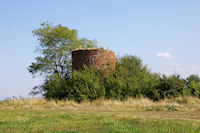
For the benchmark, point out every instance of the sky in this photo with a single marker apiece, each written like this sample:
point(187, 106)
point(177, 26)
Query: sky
point(164, 34)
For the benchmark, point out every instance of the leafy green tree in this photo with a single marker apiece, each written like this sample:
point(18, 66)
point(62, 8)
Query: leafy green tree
point(86, 84)
point(194, 78)
point(54, 61)
point(169, 87)
point(193, 85)
point(130, 79)
point(55, 46)
point(55, 87)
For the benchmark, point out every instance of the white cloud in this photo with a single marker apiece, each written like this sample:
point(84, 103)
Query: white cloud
point(174, 64)
point(164, 55)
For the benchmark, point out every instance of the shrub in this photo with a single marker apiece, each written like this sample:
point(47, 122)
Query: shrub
point(193, 85)
point(130, 79)
point(86, 84)
point(54, 87)
point(169, 87)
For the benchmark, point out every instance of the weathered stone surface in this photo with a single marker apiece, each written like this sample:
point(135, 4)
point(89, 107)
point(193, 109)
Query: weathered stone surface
point(97, 58)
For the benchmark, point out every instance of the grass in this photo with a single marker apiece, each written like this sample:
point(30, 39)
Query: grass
point(185, 104)
point(133, 115)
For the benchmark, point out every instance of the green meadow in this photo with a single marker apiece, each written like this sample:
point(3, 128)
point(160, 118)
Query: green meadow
point(132, 115)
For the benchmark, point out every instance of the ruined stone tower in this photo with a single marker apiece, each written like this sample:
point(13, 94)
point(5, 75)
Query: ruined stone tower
point(98, 58)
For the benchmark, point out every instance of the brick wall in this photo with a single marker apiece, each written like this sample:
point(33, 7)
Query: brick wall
point(97, 58)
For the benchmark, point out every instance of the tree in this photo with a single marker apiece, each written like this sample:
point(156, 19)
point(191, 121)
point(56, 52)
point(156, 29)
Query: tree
point(54, 63)
point(130, 79)
point(169, 87)
point(193, 85)
point(194, 78)
point(55, 46)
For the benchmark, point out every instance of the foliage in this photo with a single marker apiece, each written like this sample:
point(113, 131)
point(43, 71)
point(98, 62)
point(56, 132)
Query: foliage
point(193, 85)
point(54, 62)
point(131, 79)
point(86, 85)
point(169, 87)
point(54, 87)
point(55, 46)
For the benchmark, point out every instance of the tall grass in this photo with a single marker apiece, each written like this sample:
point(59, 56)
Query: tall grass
point(142, 104)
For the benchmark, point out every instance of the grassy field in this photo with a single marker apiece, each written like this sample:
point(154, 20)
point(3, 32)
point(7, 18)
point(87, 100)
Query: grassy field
point(133, 115)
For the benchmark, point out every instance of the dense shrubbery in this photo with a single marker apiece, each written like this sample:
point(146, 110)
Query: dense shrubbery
point(193, 85)
point(168, 87)
point(86, 84)
point(130, 79)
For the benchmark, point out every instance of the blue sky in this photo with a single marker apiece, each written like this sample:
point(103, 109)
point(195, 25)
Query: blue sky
point(164, 34)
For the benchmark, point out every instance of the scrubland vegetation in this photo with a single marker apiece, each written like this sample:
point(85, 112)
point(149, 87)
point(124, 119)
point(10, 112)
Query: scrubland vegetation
point(131, 79)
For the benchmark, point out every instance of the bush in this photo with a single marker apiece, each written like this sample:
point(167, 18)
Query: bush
point(169, 87)
point(86, 84)
point(130, 79)
point(193, 85)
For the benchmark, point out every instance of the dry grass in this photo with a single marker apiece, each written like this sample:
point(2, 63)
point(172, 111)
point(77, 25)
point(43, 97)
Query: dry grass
point(142, 104)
